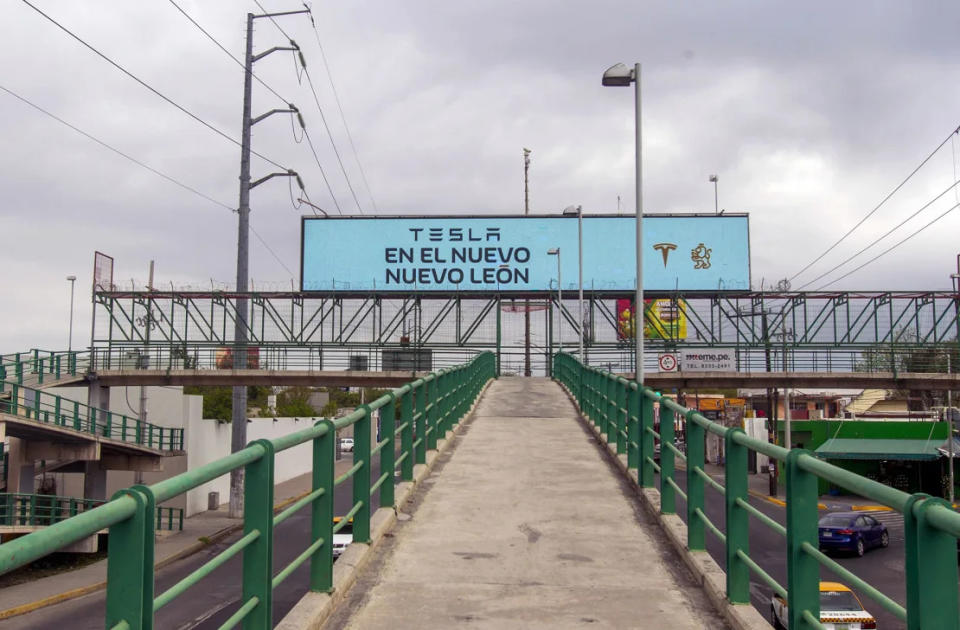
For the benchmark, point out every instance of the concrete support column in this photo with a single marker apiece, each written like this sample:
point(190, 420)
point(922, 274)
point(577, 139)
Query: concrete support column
point(20, 473)
point(94, 481)
point(98, 396)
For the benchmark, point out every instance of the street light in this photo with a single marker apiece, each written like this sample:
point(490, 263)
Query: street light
point(556, 252)
point(71, 280)
point(713, 178)
point(578, 211)
point(622, 76)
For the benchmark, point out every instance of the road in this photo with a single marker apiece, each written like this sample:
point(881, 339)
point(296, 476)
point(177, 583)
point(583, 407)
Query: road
point(882, 568)
point(217, 596)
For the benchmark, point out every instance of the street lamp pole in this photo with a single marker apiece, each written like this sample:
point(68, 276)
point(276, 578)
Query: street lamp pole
point(72, 280)
point(570, 211)
point(622, 76)
point(716, 209)
point(556, 252)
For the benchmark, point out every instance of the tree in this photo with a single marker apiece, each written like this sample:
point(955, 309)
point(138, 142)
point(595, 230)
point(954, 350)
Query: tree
point(294, 403)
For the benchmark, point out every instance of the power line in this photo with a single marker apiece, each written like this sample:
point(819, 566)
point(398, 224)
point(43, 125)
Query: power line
point(322, 172)
point(228, 53)
point(147, 85)
point(115, 150)
point(885, 199)
point(143, 165)
point(343, 117)
point(326, 126)
point(952, 186)
point(891, 248)
point(332, 143)
point(243, 67)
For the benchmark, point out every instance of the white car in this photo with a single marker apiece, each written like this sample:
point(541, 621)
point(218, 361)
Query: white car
point(343, 538)
point(346, 445)
point(839, 610)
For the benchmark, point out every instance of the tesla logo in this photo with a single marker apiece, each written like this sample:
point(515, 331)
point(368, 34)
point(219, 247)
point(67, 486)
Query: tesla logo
point(665, 249)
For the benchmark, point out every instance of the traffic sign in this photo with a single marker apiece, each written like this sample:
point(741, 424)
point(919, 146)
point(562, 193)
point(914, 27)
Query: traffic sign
point(667, 362)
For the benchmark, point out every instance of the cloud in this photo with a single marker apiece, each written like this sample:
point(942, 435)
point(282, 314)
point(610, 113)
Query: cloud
point(810, 114)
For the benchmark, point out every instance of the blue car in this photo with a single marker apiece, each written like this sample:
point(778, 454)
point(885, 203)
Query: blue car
point(851, 531)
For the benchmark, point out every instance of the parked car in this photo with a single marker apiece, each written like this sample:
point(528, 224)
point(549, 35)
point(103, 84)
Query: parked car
point(851, 531)
point(839, 608)
point(346, 445)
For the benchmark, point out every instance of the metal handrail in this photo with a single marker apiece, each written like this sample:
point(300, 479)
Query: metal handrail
point(624, 413)
point(447, 396)
point(47, 408)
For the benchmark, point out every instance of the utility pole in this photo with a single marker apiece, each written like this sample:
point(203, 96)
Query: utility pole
point(526, 303)
point(239, 402)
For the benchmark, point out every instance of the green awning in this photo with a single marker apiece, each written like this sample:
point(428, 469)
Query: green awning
point(865, 448)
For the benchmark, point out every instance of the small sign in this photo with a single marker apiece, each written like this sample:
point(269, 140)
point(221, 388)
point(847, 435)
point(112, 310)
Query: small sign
point(667, 362)
point(708, 360)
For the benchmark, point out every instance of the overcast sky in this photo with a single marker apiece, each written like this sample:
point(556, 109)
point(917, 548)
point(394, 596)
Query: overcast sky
point(810, 113)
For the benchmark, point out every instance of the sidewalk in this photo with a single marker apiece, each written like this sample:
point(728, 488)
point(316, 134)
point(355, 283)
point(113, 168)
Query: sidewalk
point(198, 531)
point(527, 526)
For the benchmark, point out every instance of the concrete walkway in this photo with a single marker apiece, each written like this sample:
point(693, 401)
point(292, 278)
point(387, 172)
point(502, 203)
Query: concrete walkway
point(527, 526)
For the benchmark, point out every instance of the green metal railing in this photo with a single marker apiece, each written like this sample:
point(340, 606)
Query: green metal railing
point(428, 408)
point(40, 510)
point(39, 367)
point(174, 518)
point(48, 408)
point(625, 414)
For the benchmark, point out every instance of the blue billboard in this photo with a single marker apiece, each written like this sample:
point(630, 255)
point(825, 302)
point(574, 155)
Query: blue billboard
point(509, 253)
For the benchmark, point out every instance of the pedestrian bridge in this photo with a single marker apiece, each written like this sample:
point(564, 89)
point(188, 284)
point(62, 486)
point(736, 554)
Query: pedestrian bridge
point(515, 504)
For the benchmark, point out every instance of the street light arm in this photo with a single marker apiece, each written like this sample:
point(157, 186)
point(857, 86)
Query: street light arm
point(290, 173)
point(273, 50)
point(291, 110)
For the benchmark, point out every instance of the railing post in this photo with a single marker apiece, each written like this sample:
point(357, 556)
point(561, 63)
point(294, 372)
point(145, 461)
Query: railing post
point(621, 405)
point(406, 434)
point(361, 478)
point(321, 516)
point(633, 426)
point(668, 499)
point(107, 429)
point(431, 390)
point(130, 566)
point(738, 520)
point(420, 423)
point(610, 387)
point(931, 569)
point(258, 555)
point(388, 427)
point(696, 529)
point(803, 570)
point(76, 415)
point(645, 472)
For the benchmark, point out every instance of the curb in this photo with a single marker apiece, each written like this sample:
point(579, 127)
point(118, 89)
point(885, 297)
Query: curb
point(706, 573)
point(313, 609)
point(871, 508)
point(780, 502)
point(29, 607)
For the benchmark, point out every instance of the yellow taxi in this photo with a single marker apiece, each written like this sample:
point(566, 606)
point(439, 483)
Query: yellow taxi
point(840, 609)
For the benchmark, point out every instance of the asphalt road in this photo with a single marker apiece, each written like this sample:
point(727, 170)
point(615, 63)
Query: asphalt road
point(882, 568)
point(211, 602)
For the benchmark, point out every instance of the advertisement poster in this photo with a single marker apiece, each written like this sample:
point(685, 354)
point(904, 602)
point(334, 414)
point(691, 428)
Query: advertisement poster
point(511, 253)
point(665, 319)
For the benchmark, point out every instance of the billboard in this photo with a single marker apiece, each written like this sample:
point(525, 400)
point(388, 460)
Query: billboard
point(664, 319)
point(509, 253)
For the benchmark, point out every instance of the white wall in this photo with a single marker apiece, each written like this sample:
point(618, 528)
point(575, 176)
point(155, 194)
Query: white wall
point(757, 428)
point(209, 440)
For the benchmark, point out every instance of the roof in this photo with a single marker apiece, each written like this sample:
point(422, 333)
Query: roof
point(833, 586)
point(944, 449)
point(865, 448)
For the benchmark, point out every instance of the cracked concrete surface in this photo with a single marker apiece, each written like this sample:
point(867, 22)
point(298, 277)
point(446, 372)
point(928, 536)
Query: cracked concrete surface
point(527, 526)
